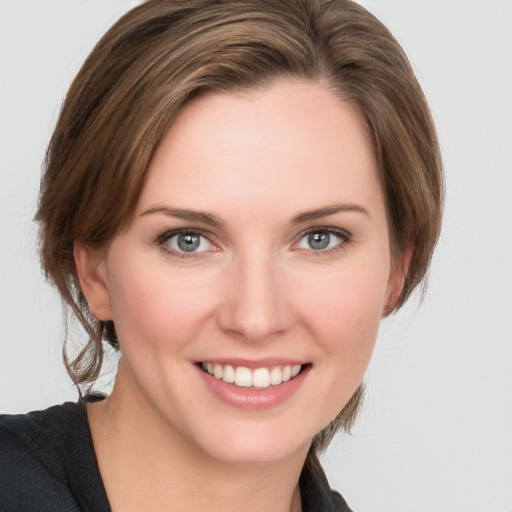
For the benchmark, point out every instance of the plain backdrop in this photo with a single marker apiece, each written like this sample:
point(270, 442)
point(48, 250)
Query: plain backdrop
point(435, 434)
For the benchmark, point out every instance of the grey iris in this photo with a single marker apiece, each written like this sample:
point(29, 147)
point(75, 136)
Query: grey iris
point(188, 243)
point(318, 240)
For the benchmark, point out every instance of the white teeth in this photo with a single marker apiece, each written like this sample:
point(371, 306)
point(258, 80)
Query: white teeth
point(260, 378)
point(295, 370)
point(229, 374)
point(217, 371)
point(276, 376)
point(243, 377)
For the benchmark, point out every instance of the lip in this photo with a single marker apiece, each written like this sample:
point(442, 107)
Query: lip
point(249, 398)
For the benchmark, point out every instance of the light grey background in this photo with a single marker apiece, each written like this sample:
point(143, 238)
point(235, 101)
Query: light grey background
point(435, 434)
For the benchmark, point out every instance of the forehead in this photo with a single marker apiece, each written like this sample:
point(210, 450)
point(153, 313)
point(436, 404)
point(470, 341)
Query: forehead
point(293, 140)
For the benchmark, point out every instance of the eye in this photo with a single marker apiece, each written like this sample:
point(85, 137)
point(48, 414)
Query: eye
point(322, 240)
point(185, 242)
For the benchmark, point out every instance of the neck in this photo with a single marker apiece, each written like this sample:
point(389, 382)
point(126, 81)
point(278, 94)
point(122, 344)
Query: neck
point(147, 465)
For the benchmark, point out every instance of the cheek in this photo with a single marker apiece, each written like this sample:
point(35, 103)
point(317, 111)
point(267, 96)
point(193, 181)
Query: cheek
point(343, 312)
point(156, 306)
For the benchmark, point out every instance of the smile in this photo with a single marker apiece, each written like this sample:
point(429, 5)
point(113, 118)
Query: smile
point(259, 378)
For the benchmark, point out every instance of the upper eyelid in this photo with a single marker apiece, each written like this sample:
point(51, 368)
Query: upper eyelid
point(329, 229)
point(181, 231)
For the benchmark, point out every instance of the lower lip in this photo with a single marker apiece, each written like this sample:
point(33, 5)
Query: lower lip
point(254, 399)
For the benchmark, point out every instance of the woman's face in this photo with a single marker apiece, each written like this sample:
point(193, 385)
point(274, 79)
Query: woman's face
point(259, 249)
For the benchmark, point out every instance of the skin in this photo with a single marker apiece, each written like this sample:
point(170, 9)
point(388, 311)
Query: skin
point(255, 289)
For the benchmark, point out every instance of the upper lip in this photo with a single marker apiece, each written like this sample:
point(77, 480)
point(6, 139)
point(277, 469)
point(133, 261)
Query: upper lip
point(254, 363)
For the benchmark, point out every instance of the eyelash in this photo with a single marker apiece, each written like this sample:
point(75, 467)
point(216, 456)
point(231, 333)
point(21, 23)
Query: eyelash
point(165, 237)
point(344, 236)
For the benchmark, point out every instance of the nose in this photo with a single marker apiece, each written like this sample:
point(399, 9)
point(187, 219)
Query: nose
point(255, 306)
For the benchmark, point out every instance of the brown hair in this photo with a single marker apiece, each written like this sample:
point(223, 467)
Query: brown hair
point(163, 53)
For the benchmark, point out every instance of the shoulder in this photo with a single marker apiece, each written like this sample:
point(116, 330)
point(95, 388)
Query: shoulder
point(36, 427)
point(339, 502)
point(315, 491)
point(40, 436)
point(39, 451)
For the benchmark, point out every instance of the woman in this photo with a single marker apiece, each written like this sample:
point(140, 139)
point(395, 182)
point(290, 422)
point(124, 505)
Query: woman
point(235, 194)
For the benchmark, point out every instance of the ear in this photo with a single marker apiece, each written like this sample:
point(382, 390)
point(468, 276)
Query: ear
point(396, 280)
point(91, 270)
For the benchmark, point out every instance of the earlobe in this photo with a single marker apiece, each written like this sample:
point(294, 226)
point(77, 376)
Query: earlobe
point(396, 281)
point(90, 267)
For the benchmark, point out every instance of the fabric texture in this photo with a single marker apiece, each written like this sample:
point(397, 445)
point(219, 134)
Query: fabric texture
point(48, 464)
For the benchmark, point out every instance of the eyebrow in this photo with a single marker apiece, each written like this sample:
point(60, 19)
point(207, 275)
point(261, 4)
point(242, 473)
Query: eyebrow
point(183, 213)
point(212, 220)
point(329, 210)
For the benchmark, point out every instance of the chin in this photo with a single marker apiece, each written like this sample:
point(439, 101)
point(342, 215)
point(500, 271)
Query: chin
point(256, 445)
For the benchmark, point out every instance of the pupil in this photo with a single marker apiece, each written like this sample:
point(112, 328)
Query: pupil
point(188, 243)
point(318, 240)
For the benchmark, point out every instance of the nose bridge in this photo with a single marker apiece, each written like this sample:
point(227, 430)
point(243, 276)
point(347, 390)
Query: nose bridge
point(255, 306)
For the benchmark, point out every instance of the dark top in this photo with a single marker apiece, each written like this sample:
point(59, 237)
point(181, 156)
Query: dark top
point(48, 464)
